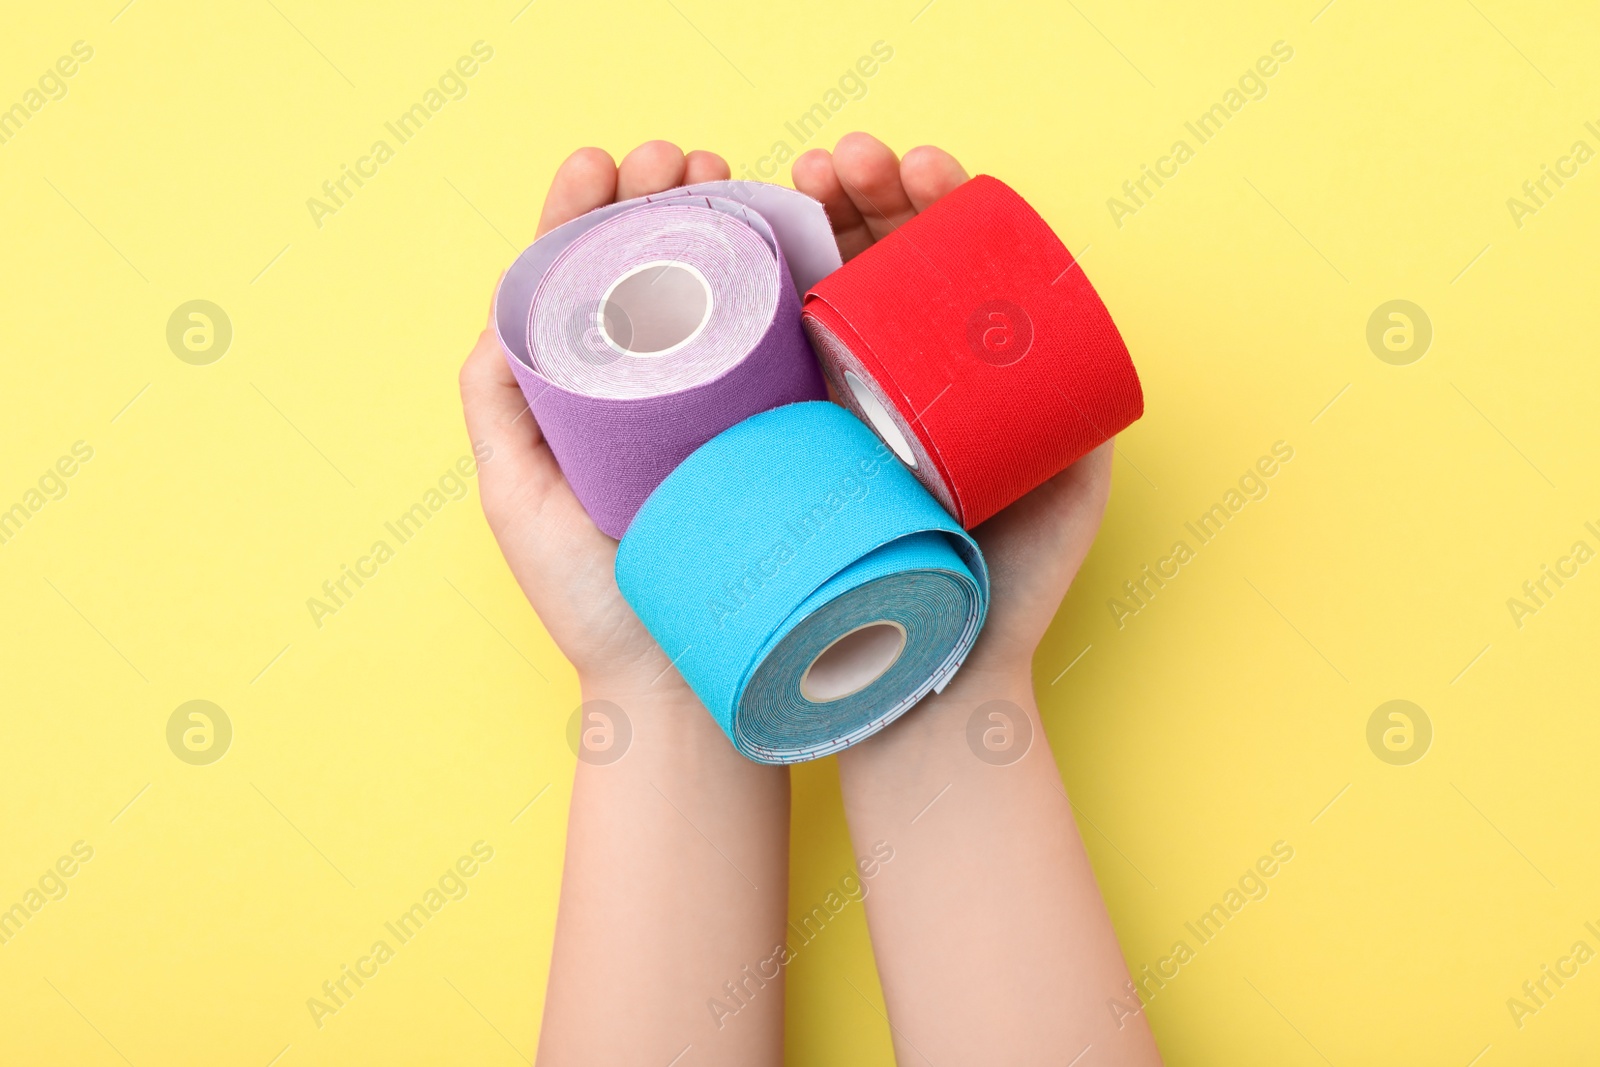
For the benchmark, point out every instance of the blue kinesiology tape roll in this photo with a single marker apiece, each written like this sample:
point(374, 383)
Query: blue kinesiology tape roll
point(803, 582)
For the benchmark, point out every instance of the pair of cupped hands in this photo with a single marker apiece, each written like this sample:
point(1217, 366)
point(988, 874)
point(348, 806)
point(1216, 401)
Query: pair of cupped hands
point(563, 562)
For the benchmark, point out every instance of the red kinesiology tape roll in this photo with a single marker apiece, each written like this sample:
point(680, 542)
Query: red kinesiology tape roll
point(972, 342)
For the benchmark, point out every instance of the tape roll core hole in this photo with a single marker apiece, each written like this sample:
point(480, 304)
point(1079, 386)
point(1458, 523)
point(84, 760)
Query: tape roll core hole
point(853, 661)
point(655, 308)
point(881, 421)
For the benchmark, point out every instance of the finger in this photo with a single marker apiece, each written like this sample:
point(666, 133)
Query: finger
point(585, 181)
point(814, 175)
point(870, 173)
point(652, 167)
point(928, 173)
point(704, 167)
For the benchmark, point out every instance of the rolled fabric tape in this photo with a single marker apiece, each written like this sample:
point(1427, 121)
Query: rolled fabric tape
point(802, 582)
point(976, 347)
point(643, 329)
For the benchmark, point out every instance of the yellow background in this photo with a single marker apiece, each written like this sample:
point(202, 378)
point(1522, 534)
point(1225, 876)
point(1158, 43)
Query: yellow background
point(370, 753)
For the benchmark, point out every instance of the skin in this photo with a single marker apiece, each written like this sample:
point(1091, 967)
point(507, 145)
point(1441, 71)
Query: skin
point(676, 864)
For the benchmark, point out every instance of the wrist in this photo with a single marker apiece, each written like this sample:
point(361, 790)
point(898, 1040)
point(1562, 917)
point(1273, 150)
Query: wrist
point(623, 688)
point(933, 737)
point(668, 702)
point(662, 715)
point(977, 683)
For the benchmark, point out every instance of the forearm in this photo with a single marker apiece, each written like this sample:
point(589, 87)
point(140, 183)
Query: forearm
point(992, 940)
point(675, 880)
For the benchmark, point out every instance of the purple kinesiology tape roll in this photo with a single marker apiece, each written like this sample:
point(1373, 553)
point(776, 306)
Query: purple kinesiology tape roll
point(643, 329)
